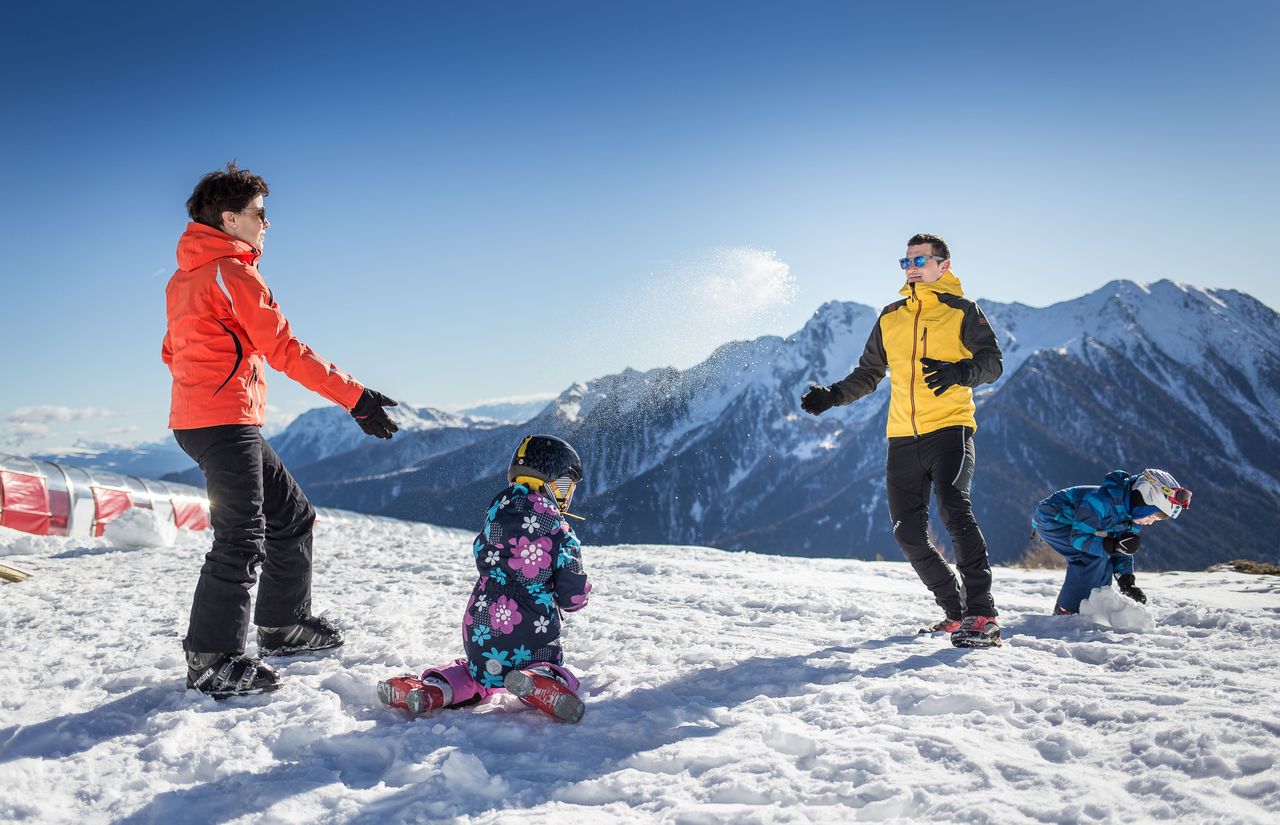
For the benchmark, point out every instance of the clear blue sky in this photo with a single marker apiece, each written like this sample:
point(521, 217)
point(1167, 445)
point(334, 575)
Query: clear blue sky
point(478, 200)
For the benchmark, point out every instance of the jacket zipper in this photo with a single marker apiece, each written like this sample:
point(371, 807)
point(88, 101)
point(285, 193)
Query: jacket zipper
point(915, 328)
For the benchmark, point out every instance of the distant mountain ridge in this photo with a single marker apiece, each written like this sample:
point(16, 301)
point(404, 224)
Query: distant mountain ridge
point(509, 410)
point(315, 444)
point(148, 460)
point(1128, 376)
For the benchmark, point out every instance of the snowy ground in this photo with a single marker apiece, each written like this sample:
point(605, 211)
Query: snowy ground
point(721, 687)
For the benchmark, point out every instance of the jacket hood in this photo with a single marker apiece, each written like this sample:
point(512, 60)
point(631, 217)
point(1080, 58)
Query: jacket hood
point(202, 244)
point(948, 284)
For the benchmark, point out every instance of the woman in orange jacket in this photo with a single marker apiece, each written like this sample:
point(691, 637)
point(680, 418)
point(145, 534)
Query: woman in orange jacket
point(224, 327)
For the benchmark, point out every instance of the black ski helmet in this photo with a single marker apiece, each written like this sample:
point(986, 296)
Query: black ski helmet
point(545, 458)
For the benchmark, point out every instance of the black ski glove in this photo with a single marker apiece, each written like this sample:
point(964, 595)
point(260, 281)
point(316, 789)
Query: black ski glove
point(817, 400)
point(1123, 543)
point(941, 376)
point(369, 414)
point(1128, 588)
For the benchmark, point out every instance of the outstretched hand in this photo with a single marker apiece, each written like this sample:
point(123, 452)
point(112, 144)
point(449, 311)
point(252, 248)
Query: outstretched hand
point(941, 376)
point(817, 400)
point(370, 415)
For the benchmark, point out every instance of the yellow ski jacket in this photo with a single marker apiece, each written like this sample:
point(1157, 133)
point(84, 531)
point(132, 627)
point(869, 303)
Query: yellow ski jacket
point(934, 321)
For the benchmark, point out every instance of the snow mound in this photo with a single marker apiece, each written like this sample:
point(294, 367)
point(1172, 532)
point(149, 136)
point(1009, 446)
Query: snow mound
point(22, 544)
point(139, 527)
point(1108, 608)
point(466, 772)
point(720, 688)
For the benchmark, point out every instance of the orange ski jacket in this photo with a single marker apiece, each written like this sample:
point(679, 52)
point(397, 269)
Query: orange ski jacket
point(223, 322)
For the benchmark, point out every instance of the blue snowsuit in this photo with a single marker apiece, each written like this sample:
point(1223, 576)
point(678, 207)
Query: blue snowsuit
point(1074, 522)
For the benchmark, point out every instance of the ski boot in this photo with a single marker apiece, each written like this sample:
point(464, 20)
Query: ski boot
point(542, 689)
point(311, 633)
point(413, 694)
point(947, 625)
point(977, 631)
point(229, 674)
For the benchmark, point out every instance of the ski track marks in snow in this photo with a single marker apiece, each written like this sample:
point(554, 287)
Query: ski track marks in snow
point(720, 688)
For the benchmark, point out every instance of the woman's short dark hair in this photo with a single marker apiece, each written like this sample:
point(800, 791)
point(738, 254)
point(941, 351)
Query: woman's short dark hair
point(939, 246)
point(221, 191)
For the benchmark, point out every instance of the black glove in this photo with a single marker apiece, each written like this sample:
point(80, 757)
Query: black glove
point(1128, 588)
point(941, 376)
point(369, 414)
point(817, 400)
point(1123, 543)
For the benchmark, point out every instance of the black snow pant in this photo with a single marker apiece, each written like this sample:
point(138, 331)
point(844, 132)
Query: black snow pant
point(260, 516)
point(943, 459)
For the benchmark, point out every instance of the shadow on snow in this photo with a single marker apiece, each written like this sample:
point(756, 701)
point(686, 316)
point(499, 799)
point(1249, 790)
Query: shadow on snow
point(614, 731)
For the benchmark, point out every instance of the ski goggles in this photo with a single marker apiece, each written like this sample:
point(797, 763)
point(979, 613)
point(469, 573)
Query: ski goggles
point(563, 489)
point(918, 261)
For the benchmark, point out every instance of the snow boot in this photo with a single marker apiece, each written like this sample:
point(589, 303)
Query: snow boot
point(947, 625)
point(1059, 610)
point(413, 694)
point(229, 674)
point(539, 688)
point(977, 631)
point(311, 633)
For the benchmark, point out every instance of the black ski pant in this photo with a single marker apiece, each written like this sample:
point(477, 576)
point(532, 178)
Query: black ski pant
point(261, 517)
point(944, 460)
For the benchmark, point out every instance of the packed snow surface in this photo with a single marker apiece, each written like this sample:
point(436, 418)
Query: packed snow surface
point(720, 688)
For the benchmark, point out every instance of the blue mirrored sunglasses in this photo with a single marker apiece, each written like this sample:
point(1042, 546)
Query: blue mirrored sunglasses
point(918, 261)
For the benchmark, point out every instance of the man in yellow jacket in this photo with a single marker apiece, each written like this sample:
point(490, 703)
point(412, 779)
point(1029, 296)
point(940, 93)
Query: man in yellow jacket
point(936, 346)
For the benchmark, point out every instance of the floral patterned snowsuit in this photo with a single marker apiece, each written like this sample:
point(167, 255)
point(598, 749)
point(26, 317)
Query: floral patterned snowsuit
point(530, 569)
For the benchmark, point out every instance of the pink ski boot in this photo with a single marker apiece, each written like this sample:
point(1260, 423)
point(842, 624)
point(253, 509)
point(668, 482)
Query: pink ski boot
point(411, 693)
point(536, 687)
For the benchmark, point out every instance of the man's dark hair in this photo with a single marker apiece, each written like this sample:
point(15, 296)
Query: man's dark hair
point(224, 191)
point(940, 247)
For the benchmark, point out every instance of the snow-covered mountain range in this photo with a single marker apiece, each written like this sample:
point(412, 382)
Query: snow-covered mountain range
point(1131, 375)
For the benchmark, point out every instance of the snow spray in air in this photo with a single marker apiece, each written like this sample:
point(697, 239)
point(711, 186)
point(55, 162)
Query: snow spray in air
point(679, 315)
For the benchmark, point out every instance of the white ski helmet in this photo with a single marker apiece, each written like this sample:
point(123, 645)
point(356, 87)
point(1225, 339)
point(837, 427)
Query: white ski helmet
point(1161, 490)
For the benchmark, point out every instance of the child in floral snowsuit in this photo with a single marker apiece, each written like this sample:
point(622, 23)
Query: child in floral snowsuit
point(530, 569)
point(530, 572)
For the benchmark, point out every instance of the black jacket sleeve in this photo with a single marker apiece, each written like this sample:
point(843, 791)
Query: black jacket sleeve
point(986, 364)
point(870, 370)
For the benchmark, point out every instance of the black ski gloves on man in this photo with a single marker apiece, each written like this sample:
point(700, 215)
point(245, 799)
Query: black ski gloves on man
point(941, 376)
point(369, 414)
point(818, 400)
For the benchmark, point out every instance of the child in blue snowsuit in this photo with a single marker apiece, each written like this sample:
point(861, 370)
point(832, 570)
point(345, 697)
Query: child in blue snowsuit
point(1097, 529)
point(530, 567)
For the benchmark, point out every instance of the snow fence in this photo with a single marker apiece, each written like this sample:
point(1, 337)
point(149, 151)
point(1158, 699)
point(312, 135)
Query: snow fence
point(48, 499)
